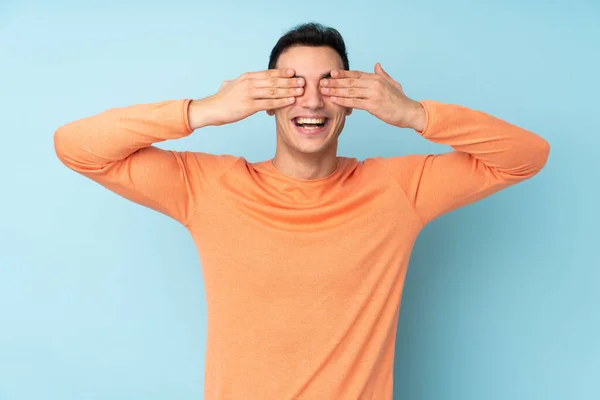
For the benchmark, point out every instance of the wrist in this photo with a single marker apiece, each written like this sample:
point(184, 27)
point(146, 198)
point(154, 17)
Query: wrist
point(418, 119)
point(199, 113)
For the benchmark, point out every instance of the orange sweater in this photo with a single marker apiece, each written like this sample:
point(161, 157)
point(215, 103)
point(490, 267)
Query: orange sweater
point(303, 278)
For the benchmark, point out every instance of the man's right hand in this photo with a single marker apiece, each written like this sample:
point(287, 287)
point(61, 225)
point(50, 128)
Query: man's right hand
point(248, 94)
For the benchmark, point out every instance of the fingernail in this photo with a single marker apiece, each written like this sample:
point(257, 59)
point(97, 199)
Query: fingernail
point(325, 90)
point(324, 82)
point(300, 81)
point(298, 90)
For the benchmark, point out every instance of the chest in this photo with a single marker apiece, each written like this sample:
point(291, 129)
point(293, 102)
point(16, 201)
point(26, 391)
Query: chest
point(257, 243)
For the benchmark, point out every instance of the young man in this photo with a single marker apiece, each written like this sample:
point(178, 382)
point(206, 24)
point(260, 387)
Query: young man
point(304, 255)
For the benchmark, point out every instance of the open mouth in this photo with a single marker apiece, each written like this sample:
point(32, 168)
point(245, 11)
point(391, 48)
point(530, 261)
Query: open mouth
point(310, 125)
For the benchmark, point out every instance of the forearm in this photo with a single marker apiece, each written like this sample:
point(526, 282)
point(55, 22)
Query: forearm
point(498, 144)
point(113, 135)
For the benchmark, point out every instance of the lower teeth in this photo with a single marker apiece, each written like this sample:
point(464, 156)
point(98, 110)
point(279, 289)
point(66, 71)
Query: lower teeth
point(310, 126)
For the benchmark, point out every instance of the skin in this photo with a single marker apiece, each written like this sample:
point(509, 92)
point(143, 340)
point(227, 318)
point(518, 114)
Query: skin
point(308, 81)
point(297, 155)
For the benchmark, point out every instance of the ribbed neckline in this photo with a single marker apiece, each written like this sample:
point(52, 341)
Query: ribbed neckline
point(268, 164)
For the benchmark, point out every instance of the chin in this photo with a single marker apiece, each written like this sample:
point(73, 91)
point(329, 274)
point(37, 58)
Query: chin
point(308, 149)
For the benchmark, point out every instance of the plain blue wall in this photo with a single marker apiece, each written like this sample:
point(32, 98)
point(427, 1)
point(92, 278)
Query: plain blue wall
point(104, 299)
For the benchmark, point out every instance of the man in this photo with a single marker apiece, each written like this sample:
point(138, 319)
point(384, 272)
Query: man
point(304, 255)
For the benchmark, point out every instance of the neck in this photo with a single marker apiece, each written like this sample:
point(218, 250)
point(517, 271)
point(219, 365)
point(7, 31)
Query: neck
point(305, 166)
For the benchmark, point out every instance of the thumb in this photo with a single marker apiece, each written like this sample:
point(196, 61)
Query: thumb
point(381, 72)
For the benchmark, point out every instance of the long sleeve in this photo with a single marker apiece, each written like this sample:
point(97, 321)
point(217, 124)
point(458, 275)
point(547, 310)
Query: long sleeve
point(114, 148)
point(489, 155)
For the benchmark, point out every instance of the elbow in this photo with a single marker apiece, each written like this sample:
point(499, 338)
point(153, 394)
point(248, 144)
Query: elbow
point(65, 147)
point(61, 144)
point(529, 161)
point(535, 159)
point(542, 154)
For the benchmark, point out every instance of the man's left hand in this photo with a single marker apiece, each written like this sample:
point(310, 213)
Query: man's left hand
point(376, 93)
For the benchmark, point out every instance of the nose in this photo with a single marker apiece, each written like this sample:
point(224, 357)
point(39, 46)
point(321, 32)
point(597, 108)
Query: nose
point(312, 98)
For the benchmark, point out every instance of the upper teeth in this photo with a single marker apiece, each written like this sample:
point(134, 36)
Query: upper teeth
point(310, 120)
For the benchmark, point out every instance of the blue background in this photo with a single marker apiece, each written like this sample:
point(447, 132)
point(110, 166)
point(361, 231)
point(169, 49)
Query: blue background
point(103, 299)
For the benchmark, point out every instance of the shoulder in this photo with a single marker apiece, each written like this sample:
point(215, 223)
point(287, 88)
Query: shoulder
point(208, 160)
point(206, 167)
point(392, 165)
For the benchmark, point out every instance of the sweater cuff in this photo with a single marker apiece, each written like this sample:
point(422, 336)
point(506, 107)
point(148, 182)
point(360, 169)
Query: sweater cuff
point(429, 106)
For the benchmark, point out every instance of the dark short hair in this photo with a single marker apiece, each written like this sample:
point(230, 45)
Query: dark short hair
point(310, 34)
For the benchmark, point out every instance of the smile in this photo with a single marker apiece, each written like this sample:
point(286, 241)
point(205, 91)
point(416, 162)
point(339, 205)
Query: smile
point(310, 126)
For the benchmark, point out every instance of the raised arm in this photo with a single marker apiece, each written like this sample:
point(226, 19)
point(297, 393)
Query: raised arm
point(489, 155)
point(115, 148)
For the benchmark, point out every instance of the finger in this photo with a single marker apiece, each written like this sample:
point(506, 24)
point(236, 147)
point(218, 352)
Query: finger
point(341, 73)
point(272, 104)
point(347, 82)
point(346, 92)
point(350, 102)
point(270, 73)
point(278, 82)
point(275, 92)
